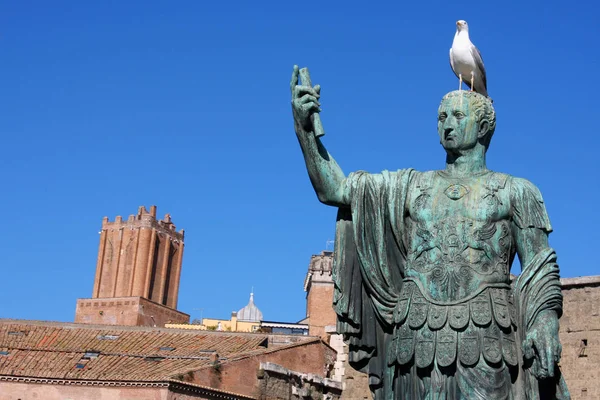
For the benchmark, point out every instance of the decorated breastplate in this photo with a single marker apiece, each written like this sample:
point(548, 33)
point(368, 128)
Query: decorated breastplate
point(453, 256)
point(456, 302)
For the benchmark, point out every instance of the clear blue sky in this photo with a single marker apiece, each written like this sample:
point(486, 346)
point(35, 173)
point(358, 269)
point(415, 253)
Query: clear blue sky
point(109, 105)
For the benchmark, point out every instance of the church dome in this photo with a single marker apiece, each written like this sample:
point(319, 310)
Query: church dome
point(250, 312)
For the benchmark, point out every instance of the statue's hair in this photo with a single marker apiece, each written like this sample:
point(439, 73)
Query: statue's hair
point(482, 107)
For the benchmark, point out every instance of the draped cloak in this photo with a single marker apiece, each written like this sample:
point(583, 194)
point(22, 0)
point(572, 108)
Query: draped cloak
point(369, 262)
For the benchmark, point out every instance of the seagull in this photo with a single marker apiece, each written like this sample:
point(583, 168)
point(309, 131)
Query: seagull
point(466, 61)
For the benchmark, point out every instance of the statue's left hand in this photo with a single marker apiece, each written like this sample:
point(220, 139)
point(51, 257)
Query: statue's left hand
point(542, 345)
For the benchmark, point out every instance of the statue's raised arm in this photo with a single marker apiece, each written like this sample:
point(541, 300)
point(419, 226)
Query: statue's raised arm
point(325, 174)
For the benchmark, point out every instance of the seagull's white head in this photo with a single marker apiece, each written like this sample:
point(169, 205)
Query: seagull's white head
point(462, 25)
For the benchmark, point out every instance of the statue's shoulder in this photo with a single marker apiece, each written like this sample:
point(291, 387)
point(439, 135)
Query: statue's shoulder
point(524, 190)
point(422, 179)
point(527, 204)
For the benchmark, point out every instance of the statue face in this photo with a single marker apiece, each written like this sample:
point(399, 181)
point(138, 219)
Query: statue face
point(457, 125)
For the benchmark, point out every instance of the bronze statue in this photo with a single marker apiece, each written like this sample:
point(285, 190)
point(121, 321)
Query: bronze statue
point(423, 290)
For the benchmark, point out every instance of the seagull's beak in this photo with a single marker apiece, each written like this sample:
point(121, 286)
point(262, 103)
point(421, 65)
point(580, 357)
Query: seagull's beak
point(457, 24)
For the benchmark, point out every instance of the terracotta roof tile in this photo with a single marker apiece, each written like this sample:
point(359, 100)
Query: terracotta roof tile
point(53, 350)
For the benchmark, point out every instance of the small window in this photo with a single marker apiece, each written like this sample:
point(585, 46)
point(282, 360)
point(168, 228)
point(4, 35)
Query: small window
point(16, 333)
point(90, 354)
point(153, 358)
point(80, 366)
point(166, 348)
point(3, 353)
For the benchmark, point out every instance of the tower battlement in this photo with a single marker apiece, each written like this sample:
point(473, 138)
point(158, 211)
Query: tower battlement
point(144, 219)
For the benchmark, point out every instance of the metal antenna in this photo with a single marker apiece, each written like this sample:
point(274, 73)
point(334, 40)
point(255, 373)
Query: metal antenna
point(328, 242)
point(201, 310)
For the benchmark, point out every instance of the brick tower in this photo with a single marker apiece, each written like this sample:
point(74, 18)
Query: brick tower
point(321, 319)
point(318, 286)
point(137, 273)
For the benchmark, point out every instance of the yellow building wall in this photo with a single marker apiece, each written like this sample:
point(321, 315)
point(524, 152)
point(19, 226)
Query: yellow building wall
point(211, 324)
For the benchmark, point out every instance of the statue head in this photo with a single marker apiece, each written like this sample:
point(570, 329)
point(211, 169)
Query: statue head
point(465, 120)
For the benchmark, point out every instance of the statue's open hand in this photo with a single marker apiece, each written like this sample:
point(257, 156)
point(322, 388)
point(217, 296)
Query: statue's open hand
point(305, 102)
point(542, 346)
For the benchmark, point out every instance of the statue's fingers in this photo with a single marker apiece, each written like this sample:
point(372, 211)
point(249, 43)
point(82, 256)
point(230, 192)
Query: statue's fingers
point(294, 80)
point(528, 349)
point(543, 367)
point(550, 360)
point(318, 89)
point(558, 353)
point(307, 98)
point(311, 107)
point(300, 91)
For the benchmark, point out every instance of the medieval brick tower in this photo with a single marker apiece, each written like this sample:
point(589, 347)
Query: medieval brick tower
point(137, 273)
point(318, 286)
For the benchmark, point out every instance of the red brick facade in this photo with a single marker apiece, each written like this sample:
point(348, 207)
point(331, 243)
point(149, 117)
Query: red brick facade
point(132, 311)
point(240, 375)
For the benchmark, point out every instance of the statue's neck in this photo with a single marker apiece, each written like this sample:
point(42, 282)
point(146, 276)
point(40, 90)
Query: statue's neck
point(466, 163)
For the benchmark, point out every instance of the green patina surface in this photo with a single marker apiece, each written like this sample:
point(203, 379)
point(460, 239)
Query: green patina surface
point(423, 290)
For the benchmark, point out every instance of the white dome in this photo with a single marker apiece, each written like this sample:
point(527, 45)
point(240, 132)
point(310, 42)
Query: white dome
point(250, 312)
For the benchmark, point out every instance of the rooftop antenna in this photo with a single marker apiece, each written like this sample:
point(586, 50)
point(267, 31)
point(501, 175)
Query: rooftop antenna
point(201, 310)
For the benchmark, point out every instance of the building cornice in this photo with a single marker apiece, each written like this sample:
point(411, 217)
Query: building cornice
point(80, 382)
point(581, 281)
point(169, 383)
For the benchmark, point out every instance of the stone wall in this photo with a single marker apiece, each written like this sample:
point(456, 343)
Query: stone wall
point(355, 384)
point(277, 382)
point(580, 336)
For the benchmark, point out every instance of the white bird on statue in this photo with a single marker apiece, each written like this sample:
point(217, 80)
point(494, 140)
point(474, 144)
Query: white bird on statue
point(466, 61)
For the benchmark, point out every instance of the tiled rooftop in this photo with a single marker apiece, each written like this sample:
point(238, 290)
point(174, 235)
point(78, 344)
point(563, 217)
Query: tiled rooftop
point(96, 352)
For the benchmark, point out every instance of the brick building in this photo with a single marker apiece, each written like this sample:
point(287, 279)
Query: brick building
point(137, 273)
point(51, 360)
point(579, 331)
